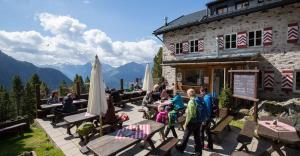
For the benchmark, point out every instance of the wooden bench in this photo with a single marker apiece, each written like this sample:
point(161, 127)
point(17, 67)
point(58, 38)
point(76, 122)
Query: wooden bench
point(164, 148)
point(235, 153)
point(17, 127)
point(246, 135)
point(105, 129)
point(220, 126)
point(56, 117)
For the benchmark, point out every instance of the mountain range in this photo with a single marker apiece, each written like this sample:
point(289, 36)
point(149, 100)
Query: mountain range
point(112, 75)
point(53, 75)
point(10, 67)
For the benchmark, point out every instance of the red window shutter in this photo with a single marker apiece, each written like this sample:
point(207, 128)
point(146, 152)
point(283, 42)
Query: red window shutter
point(293, 33)
point(287, 79)
point(172, 48)
point(269, 79)
point(185, 47)
point(268, 33)
point(221, 41)
point(242, 40)
point(201, 45)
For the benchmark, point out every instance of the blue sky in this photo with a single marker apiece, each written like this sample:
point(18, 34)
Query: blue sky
point(124, 21)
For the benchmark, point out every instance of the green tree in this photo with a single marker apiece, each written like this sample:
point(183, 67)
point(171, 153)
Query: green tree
point(2, 107)
point(157, 70)
point(44, 90)
point(63, 88)
point(35, 79)
point(78, 78)
point(87, 83)
point(29, 101)
point(17, 93)
point(10, 110)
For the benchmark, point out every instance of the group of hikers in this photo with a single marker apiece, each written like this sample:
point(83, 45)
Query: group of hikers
point(199, 114)
point(67, 102)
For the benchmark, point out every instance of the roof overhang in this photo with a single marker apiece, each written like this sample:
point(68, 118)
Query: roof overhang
point(223, 59)
point(161, 30)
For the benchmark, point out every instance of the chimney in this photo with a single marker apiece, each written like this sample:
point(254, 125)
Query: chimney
point(166, 21)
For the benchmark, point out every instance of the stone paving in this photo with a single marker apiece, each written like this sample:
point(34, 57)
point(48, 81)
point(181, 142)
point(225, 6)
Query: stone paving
point(70, 145)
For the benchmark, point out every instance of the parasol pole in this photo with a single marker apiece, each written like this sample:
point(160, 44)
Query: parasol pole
point(101, 123)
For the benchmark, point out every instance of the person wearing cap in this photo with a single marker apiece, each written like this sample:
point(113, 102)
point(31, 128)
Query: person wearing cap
point(68, 106)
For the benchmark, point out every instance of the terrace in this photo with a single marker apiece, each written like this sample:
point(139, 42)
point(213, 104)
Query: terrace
point(71, 145)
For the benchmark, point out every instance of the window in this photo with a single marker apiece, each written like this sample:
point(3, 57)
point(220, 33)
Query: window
point(230, 41)
point(196, 77)
point(297, 81)
point(222, 10)
point(255, 38)
point(178, 48)
point(260, 1)
point(194, 46)
point(241, 5)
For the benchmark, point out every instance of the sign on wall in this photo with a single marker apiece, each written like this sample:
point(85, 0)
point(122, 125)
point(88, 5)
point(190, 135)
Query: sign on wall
point(245, 84)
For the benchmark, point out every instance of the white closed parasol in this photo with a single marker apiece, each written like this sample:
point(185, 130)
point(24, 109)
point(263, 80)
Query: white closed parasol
point(97, 103)
point(148, 81)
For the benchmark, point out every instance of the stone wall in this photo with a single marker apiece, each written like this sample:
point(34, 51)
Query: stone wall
point(280, 55)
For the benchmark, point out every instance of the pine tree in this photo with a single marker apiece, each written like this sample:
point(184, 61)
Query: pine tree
point(78, 78)
point(2, 107)
point(44, 90)
point(35, 79)
point(10, 110)
point(63, 88)
point(87, 84)
point(157, 70)
point(17, 93)
point(29, 101)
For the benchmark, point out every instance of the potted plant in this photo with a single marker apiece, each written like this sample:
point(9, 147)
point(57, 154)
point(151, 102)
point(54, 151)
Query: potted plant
point(225, 101)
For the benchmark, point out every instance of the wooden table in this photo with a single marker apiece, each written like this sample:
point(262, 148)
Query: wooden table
point(80, 102)
point(77, 119)
point(51, 106)
point(277, 138)
point(109, 145)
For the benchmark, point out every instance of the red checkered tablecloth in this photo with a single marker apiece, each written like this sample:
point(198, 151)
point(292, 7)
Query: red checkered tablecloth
point(132, 131)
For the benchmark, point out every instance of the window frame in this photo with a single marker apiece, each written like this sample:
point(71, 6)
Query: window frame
point(255, 45)
point(230, 41)
point(223, 7)
point(294, 80)
point(194, 47)
point(243, 4)
point(179, 48)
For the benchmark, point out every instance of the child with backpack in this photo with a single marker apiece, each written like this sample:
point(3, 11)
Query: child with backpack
point(162, 117)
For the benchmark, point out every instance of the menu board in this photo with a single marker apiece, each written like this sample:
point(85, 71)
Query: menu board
point(244, 85)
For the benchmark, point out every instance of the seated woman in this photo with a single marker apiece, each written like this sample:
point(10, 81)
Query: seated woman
point(164, 95)
point(54, 98)
point(177, 102)
point(148, 99)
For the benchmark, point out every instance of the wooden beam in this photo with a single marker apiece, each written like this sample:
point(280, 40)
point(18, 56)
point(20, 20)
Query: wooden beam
point(244, 71)
point(209, 63)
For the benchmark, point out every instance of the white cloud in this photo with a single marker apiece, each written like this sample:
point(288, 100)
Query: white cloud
point(72, 42)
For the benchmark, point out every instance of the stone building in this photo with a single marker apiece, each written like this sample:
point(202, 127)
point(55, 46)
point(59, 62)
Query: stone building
point(200, 48)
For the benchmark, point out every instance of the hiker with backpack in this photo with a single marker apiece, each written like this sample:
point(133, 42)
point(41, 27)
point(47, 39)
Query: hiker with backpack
point(211, 108)
point(192, 124)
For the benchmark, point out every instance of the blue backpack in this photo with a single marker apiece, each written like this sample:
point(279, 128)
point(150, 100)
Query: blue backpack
point(201, 113)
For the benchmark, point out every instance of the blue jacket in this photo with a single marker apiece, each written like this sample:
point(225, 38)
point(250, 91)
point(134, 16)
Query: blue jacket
point(177, 102)
point(206, 101)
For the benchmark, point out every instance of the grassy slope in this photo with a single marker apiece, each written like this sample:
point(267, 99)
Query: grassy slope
point(33, 140)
